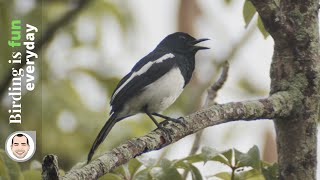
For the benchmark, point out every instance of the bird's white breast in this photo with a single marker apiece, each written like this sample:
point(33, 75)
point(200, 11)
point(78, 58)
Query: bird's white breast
point(158, 95)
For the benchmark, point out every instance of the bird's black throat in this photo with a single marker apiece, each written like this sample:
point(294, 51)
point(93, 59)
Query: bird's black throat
point(186, 66)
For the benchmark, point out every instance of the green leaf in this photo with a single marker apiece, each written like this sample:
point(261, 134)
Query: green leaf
point(194, 158)
point(228, 155)
point(190, 159)
point(237, 156)
point(251, 158)
point(209, 153)
point(196, 175)
point(165, 163)
point(270, 172)
point(167, 170)
point(149, 163)
point(133, 166)
point(143, 175)
point(249, 175)
point(111, 176)
point(262, 28)
point(223, 175)
point(32, 174)
point(121, 170)
point(181, 164)
point(221, 159)
point(165, 174)
point(248, 12)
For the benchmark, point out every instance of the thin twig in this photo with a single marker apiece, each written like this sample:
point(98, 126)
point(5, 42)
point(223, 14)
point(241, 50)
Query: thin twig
point(213, 90)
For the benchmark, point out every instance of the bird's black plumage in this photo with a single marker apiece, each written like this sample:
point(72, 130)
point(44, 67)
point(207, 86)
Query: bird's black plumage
point(153, 83)
point(136, 85)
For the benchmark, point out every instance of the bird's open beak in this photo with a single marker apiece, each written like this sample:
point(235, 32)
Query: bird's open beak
point(197, 48)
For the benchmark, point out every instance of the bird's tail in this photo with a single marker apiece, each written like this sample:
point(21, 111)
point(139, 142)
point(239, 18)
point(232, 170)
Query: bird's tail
point(102, 135)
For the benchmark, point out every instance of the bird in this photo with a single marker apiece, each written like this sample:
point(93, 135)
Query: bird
point(154, 83)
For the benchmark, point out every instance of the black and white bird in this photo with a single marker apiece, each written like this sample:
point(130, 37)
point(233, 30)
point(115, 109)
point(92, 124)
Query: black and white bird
point(154, 83)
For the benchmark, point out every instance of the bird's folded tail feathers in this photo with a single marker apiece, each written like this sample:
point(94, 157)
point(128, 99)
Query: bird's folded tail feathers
point(102, 135)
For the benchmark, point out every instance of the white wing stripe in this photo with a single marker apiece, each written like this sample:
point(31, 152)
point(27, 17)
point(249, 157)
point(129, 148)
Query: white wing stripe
point(144, 69)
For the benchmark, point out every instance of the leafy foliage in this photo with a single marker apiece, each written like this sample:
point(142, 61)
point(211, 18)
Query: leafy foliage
point(262, 28)
point(243, 166)
point(248, 13)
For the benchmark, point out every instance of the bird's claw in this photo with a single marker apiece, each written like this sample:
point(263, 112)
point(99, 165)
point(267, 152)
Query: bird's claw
point(176, 120)
point(179, 120)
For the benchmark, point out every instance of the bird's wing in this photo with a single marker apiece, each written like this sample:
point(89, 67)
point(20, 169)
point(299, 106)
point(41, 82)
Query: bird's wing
point(146, 71)
point(153, 56)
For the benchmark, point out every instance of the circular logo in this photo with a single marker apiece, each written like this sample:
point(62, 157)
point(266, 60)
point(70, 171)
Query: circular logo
point(20, 146)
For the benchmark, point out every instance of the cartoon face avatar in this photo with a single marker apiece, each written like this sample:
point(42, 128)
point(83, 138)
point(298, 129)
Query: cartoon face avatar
point(20, 146)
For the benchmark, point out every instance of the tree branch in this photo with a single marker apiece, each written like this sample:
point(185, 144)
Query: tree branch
point(50, 168)
point(267, 10)
point(277, 105)
point(266, 7)
point(294, 26)
point(278, 25)
point(45, 39)
point(211, 95)
point(212, 92)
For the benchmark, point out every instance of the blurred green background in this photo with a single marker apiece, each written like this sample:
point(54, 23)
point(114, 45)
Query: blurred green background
point(83, 59)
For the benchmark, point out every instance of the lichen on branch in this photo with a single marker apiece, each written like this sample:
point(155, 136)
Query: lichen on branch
point(277, 105)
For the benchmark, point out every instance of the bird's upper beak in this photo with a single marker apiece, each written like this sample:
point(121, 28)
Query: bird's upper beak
point(197, 48)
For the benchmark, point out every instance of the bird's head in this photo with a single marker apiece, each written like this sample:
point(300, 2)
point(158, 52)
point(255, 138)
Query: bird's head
point(181, 42)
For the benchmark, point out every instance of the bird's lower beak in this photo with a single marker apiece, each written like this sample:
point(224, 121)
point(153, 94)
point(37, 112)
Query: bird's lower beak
point(197, 48)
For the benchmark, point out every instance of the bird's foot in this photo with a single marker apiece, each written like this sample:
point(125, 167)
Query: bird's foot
point(178, 120)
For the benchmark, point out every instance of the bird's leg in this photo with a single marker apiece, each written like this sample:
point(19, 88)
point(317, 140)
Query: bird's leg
point(152, 118)
point(157, 124)
point(178, 120)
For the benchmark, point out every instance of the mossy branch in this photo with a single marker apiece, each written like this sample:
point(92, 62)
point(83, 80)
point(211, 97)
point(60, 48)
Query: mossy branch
point(277, 105)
